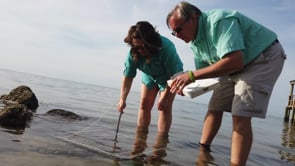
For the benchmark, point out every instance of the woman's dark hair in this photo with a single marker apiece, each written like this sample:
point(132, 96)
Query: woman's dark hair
point(144, 31)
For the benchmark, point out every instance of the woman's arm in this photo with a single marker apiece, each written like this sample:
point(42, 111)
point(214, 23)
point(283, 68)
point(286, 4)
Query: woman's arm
point(126, 85)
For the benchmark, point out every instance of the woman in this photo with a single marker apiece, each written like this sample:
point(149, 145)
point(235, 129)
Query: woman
point(158, 60)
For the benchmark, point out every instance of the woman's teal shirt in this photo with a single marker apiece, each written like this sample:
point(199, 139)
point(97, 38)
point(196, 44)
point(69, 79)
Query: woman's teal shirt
point(165, 63)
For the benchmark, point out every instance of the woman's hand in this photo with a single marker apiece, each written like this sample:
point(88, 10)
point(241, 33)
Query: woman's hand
point(163, 103)
point(121, 106)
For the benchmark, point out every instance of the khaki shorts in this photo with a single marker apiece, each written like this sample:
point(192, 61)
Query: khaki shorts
point(247, 92)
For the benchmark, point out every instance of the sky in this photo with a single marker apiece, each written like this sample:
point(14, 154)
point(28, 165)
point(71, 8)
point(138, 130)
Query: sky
point(82, 40)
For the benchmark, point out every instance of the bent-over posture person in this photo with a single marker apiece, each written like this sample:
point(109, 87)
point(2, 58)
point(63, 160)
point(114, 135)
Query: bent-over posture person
point(156, 57)
point(246, 55)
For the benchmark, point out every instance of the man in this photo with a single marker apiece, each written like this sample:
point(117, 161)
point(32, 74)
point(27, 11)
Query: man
point(244, 54)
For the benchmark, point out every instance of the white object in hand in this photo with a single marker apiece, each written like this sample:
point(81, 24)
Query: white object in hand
point(199, 87)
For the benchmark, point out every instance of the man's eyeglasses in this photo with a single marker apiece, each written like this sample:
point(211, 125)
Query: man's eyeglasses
point(178, 29)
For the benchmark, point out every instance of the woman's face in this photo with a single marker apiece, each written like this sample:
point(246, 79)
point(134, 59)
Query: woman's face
point(138, 45)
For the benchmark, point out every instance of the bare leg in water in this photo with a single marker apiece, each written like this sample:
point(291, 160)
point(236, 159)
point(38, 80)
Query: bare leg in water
point(159, 151)
point(140, 141)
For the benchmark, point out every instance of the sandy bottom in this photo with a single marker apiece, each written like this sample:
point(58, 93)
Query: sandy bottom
point(34, 159)
point(36, 146)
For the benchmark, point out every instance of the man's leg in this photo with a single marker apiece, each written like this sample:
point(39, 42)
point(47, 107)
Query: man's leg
point(242, 139)
point(211, 125)
point(253, 88)
point(220, 101)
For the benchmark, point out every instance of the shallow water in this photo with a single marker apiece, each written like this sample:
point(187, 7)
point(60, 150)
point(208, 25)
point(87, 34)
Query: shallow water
point(91, 142)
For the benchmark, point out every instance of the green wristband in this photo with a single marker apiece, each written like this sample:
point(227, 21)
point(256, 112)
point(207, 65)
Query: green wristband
point(191, 76)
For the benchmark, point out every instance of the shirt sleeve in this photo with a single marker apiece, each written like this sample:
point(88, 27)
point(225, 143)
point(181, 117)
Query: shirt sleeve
point(171, 60)
point(130, 66)
point(228, 36)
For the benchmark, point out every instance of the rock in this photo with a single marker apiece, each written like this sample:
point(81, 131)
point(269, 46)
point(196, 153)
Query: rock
point(21, 95)
point(65, 114)
point(15, 116)
point(17, 107)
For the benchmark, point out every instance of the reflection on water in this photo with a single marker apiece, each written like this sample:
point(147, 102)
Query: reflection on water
point(159, 148)
point(288, 141)
point(140, 157)
point(15, 131)
point(205, 158)
point(288, 135)
point(140, 143)
point(159, 153)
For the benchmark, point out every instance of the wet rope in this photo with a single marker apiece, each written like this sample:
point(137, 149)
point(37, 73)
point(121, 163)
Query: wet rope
point(89, 126)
